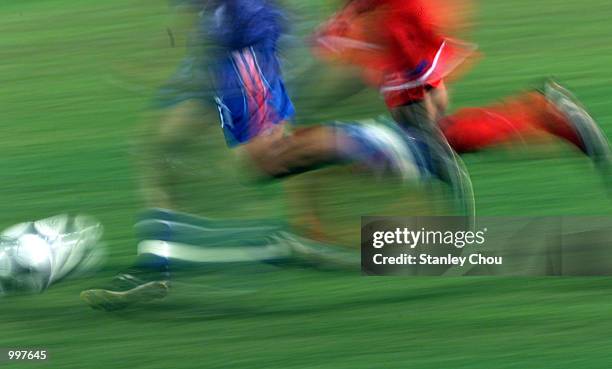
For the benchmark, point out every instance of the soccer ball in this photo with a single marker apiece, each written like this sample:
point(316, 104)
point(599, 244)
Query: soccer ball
point(34, 255)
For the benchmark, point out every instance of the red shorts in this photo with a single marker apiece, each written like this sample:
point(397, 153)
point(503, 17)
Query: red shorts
point(403, 87)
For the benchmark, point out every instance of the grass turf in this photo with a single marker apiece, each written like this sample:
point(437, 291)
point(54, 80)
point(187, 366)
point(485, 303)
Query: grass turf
point(76, 78)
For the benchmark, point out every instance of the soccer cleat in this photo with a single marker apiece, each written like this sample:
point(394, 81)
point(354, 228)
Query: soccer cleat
point(127, 290)
point(594, 142)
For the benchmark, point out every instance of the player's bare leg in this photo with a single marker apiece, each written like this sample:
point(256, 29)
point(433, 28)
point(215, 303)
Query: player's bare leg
point(424, 115)
point(279, 155)
point(162, 138)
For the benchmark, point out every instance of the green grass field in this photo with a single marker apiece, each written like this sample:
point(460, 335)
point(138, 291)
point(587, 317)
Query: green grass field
point(76, 79)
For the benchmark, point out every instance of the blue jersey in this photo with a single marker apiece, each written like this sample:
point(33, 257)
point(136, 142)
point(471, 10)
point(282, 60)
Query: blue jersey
point(238, 54)
point(238, 24)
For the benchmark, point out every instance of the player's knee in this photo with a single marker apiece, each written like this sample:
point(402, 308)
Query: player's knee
point(258, 161)
point(279, 157)
point(180, 123)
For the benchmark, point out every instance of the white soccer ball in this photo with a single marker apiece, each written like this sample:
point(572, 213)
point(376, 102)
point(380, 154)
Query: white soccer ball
point(25, 263)
point(34, 255)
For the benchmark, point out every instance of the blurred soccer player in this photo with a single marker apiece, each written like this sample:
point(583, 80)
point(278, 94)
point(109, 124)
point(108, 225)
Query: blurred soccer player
point(405, 49)
point(246, 89)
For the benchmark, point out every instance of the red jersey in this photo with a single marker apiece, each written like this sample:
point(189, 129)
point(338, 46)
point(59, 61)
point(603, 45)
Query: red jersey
point(399, 44)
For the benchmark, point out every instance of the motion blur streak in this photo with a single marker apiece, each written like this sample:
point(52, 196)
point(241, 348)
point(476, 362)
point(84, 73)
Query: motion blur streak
point(78, 80)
